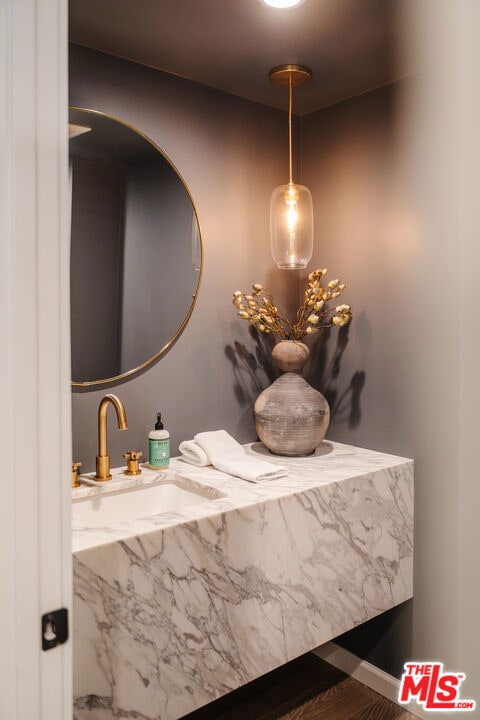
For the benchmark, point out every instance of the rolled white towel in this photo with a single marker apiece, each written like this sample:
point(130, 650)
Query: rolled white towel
point(193, 453)
point(227, 455)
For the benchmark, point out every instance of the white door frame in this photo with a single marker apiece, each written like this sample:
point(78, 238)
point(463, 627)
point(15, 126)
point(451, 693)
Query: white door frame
point(35, 411)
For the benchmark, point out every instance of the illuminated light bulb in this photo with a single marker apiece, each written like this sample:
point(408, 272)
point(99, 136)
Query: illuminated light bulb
point(292, 216)
point(291, 201)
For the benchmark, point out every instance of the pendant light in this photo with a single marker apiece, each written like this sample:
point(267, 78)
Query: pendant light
point(291, 209)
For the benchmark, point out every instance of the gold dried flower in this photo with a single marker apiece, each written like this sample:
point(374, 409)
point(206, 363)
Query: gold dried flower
point(260, 309)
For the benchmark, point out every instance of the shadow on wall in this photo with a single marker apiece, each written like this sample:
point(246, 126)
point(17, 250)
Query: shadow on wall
point(253, 371)
point(323, 372)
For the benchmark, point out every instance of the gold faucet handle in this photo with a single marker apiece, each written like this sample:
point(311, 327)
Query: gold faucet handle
point(75, 480)
point(132, 457)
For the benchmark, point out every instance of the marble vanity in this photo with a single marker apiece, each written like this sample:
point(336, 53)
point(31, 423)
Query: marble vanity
point(174, 610)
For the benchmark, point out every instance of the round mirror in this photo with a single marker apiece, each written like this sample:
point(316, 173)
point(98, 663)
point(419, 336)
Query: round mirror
point(136, 250)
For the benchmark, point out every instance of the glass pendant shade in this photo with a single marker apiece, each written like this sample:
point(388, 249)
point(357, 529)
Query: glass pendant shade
point(291, 226)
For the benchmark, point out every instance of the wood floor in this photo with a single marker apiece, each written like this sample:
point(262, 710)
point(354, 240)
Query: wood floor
point(306, 689)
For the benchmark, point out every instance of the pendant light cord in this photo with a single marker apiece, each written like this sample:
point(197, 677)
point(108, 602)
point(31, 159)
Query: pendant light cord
point(290, 107)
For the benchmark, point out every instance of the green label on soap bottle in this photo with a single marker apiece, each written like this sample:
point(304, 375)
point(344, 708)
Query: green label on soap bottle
point(159, 452)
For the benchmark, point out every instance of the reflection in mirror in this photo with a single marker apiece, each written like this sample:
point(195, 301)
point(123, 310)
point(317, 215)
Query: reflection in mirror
point(136, 250)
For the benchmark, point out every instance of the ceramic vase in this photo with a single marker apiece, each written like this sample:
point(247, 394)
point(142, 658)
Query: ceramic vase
point(291, 417)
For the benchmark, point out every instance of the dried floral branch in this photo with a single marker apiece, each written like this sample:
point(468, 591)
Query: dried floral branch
point(260, 310)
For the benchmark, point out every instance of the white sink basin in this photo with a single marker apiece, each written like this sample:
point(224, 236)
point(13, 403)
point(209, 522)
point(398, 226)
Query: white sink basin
point(107, 509)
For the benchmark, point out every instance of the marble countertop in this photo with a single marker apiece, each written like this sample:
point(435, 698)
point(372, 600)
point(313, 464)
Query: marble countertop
point(332, 462)
point(179, 608)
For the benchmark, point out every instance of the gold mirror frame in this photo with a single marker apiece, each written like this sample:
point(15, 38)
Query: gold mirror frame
point(172, 341)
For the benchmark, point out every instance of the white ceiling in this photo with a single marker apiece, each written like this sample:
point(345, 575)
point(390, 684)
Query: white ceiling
point(350, 45)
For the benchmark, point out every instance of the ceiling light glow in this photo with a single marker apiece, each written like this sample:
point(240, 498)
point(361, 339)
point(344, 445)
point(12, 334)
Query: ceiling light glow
point(282, 3)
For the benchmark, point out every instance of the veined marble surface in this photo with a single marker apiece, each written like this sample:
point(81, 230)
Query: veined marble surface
point(175, 610)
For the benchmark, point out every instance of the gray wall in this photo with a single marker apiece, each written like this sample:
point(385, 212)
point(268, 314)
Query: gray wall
point(230, 153)
point(389, 191)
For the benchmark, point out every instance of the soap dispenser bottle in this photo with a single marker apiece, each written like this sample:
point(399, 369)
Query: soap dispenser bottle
point(158, 446)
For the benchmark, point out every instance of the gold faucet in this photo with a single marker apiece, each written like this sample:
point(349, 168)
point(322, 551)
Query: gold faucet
point(75, 481)
point(103, 459)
